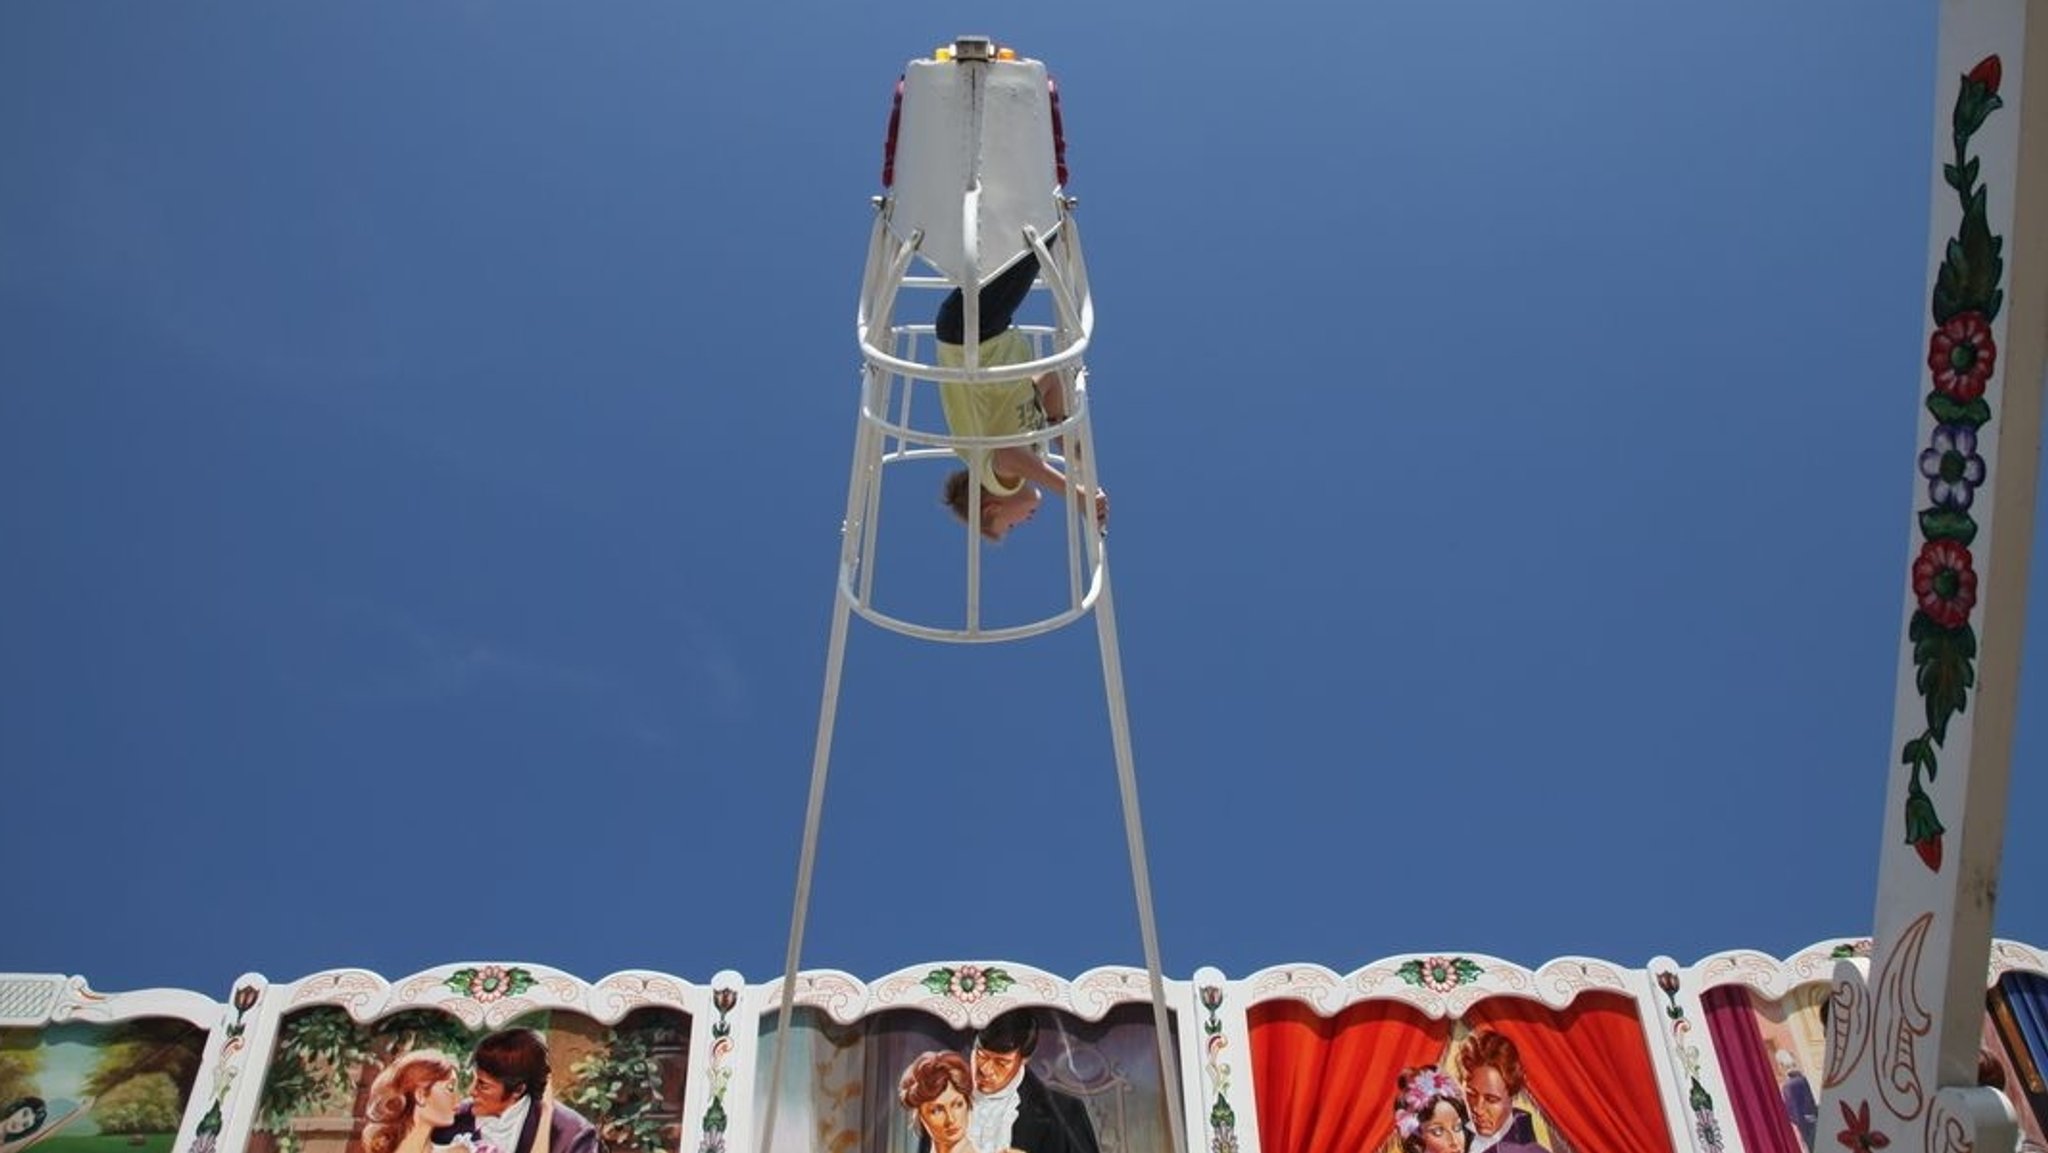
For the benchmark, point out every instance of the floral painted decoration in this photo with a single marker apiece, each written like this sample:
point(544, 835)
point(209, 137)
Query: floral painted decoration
point(1859, 1137)
point(1440, 974)
point(712, 1140)
point(1705, 1125)
point(206, 1136)
point(1222, 1118)
point(968, 983)
point(1961, 354)
point(490, 982)
point(1421, 1088)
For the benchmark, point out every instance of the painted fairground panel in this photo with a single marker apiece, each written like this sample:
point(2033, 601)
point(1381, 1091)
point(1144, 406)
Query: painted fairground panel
point(1508, 1076)
point(1772, 1053)
point(420, 1081)
point(2015, 1056)
point(79, 1088)
point(1033, 1080)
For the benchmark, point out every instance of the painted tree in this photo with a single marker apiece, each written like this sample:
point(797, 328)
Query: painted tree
point(147, 1103)
point(140, 1048)
point(21, 1059)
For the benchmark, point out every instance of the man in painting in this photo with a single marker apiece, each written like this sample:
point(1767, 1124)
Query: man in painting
point(510, 1109)
point(1492, 1070)
point(1012, 1108)
point(1801, 1107)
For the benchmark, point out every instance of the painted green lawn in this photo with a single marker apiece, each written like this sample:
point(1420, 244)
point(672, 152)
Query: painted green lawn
point(147, 1143)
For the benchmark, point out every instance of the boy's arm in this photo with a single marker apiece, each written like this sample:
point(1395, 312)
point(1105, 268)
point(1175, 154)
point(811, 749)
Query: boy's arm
point(1053, 402)
point(1020, 461)
point(1052, 399)
point(1032, 467)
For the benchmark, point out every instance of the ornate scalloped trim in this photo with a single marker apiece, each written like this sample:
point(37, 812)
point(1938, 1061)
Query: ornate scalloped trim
point(1440, 985)
point(489, 995)
point(965, 994)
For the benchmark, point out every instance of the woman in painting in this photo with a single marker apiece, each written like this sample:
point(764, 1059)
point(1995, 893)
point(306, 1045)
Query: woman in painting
point(413, 1095)
point(1429, 1112)
point(20, 1120)
point(938, 1091)
point(26, 1121)
point(1492, 1069)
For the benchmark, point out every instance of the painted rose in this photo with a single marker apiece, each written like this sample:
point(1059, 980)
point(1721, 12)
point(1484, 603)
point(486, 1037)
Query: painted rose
point(1987, 74)
point(968, 984)
point(1945, 583)
point(1439, 975)
point(490, 983)
point(1961, 356)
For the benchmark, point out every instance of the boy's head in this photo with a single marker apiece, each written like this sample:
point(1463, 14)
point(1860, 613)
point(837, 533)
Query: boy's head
point(999, 514)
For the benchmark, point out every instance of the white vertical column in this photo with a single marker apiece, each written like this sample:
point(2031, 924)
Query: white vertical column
point(1903, 1034)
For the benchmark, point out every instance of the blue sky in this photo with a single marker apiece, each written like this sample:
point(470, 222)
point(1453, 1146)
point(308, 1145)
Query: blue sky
point(426, 428)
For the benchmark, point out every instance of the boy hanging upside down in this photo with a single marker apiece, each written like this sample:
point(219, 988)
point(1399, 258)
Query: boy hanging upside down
point(1009, 476)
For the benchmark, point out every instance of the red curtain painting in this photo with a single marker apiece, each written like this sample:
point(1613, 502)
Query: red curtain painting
point(1326, 1084)
point(1747, 1071)
point(1588, 1069)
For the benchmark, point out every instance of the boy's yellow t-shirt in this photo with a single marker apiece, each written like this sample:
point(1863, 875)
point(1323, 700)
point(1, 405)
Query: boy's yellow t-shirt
point(992, 408)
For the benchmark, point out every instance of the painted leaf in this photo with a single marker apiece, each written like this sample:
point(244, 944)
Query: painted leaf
point(1922, 822)
point(1919, 753)
point(1972, 106)
point(1973, 415)
point(1948, 524)
point(1945, 681)
point(1971, 267)
point(1945, 674)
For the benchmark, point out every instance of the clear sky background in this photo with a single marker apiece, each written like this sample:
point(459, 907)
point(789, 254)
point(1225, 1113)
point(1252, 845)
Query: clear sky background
point(424, 431)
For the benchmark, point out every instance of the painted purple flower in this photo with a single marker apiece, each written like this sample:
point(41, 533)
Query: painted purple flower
point(1952, 467)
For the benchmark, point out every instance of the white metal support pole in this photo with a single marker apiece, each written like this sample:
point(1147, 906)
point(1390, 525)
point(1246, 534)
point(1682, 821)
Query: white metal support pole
point(1903, 1035)
point(866, 458)
point(976, 132)
point(1134, 840)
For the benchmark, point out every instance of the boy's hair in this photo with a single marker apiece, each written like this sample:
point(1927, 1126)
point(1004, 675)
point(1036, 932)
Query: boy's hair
point(954, 496)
